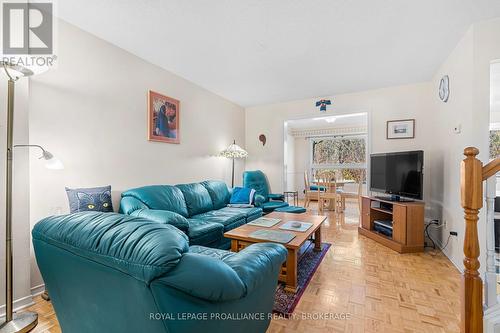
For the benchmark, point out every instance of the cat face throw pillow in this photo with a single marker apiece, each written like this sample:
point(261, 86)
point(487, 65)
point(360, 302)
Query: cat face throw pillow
point(97, 199)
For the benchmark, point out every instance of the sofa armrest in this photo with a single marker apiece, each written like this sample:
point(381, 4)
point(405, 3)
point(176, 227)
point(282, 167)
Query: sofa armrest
point(129, 204)
point(204, 277)
point(163, 216)
point(255, 262)
point(259, 200)
point(226, 278)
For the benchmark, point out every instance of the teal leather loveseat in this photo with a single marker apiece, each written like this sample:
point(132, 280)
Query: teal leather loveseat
point(198, 209)
point(109, 272)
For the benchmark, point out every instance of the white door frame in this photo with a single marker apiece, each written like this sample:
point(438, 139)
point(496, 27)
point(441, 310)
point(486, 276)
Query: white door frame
point(303, 117)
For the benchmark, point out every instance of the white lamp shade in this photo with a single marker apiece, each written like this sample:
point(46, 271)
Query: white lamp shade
point(234, 151)
point(15, 70)
point(54, 164)
point(18, 71)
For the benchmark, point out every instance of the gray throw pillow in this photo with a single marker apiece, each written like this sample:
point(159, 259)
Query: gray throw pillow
point(96, 199)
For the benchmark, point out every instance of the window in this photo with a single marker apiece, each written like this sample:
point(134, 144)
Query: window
point(347, 154)
point(494, 143)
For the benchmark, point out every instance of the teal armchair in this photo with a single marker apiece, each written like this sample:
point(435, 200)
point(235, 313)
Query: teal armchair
point(110, 272)
point(264, 198)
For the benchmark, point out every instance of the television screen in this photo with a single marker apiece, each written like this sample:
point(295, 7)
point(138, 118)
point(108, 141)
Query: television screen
point(398, 173)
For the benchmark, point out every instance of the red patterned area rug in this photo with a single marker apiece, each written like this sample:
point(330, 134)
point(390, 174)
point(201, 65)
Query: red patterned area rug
point(284, 301)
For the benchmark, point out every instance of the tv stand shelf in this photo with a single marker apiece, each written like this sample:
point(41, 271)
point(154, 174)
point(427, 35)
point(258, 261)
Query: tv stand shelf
point(387, 211)
point(407, 223)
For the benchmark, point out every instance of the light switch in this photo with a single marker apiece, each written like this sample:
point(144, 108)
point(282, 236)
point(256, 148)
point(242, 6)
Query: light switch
point(457, 129)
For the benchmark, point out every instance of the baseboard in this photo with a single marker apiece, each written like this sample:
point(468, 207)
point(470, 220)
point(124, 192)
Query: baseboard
point(19, 304)
point(458, 266)
point(26, 301)
point(37, 290)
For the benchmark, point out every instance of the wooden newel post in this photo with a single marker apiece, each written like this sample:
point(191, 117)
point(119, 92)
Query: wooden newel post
point(472, 201)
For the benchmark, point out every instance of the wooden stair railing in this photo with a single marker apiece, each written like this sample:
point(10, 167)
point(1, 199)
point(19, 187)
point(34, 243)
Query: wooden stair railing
point(472, 175)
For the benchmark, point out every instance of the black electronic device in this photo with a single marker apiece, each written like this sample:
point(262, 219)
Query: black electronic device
point(398, 174)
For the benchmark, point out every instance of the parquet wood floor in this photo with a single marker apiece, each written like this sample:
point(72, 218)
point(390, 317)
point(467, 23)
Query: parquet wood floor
point(361, 286)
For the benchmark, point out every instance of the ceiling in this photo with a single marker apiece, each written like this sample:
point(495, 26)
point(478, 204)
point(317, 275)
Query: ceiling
point(342, 121)
point(265, 51)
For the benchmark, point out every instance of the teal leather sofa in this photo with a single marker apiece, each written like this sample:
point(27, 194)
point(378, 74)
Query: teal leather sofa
point(198, 209)
point(109, 272)
point(263, 198)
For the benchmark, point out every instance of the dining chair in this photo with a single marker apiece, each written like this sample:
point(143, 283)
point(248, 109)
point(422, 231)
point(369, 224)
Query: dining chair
point(329, 194)
point(309, 194)
point(354, 195)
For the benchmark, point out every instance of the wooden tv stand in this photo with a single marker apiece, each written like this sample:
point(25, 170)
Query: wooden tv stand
point(407, 219)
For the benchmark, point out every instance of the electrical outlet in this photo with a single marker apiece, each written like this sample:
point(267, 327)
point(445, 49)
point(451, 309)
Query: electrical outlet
point(453, 233)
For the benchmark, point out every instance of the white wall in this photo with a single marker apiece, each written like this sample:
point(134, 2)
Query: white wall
point(302, 156)
point(448, 150)
point(20, 199)
point(468, 67)
point(495, 92)
point(409, 101)
point(91, 113)
point(290, 161)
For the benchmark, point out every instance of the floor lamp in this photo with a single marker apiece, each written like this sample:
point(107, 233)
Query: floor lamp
point(24, 321)
point(234, 151)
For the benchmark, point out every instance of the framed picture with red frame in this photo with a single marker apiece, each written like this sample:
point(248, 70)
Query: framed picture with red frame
point(163, 118)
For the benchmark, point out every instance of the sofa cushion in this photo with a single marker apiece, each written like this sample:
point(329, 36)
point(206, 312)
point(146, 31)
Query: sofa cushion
point(94, 199)
point(242, 195)
point(276, 196)
point(211, 252)
point(197, 198)
point(161, 197)
point(163, 216)
point(202, 232)
point(234, 224)
point(138, 247)
point(316, 187)
point(249, 212)
point(291, 209)
point(218, 192)
point(254, 217)
point(272, 205)
point(224, 216)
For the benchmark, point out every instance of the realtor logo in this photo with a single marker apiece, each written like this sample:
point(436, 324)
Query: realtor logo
point(27, 28)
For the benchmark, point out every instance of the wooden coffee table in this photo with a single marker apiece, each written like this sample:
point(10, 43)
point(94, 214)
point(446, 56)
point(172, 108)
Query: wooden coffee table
point(240, 239)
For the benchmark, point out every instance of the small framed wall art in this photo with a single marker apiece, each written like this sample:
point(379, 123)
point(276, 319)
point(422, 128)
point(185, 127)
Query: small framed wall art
point(401, 129)
point(163, 118)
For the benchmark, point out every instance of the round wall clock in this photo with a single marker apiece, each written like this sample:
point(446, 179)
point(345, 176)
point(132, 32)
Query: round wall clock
point(444, 88)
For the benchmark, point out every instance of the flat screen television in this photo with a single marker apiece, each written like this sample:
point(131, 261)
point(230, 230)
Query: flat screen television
point(399, 174)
